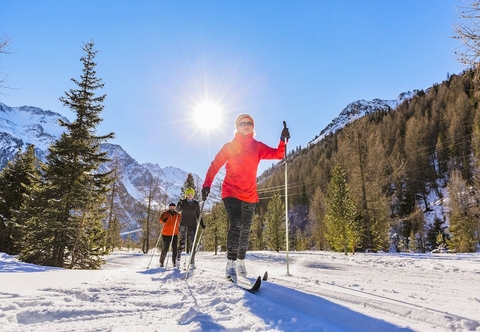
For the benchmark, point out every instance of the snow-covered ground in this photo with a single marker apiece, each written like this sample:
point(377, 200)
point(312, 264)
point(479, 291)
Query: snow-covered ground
point(325, 291)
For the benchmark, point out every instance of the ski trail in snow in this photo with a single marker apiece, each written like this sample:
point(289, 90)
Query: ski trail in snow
point(413, 312)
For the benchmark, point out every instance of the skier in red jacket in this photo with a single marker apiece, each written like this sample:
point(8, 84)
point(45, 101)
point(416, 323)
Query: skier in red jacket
point(239, 189)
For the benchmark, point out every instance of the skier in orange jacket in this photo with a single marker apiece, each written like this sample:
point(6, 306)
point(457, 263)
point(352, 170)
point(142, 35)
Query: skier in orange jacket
point(171, 223)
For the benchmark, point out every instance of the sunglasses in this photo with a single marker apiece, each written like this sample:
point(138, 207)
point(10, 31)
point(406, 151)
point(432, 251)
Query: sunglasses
point(245, 123)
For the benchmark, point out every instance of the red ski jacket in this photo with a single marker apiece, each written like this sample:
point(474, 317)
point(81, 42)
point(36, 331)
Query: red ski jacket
point(242, 156)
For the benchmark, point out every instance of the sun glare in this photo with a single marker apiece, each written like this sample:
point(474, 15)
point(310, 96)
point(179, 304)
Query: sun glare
point(208, 115)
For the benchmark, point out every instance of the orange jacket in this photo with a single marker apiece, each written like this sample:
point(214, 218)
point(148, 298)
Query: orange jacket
point(242, 156)
point(171, 223)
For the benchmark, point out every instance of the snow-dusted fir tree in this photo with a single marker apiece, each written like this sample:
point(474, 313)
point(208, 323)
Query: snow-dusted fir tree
point(69, 231)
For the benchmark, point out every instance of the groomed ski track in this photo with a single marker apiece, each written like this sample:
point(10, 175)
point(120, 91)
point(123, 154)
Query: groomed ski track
point(328, 303)
point(325, 291)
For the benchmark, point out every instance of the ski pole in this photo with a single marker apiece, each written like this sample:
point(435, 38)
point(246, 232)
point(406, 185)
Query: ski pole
point(199, 239)
point(193, 244)
point(286, 200)
point(171, 241)
point(154, 249)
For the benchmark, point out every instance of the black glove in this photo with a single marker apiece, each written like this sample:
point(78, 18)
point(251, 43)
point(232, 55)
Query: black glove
point(285, 134)
point(202, 224)
point(205, 192)
point(165, 219)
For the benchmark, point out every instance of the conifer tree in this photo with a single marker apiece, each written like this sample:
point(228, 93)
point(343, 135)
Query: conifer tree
point(341, 218)
point(112, 224)
point(16, 180)
point(256, 235)
point(436, 235)
point(412, 242)
point(300, 241)
point(316, 226)
point(217, 221)
point(440, 241)
point(364, 157)
point(420, 171)
point(275, 231)
point(462, 223)
point(189, 183)
point(70, 222)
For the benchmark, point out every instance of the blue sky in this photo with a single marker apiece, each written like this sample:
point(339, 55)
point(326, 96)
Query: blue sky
point(296, 61)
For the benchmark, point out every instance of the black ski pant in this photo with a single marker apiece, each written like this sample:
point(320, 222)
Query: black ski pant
point(187, 235)
point(166, 241)
point(240, 216)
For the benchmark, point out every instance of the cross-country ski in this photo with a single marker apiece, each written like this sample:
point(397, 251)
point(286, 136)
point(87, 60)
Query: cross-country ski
point(246, 283)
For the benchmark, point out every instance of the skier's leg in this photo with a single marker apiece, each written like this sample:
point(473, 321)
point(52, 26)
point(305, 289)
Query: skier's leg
point(248, 209)
point(191, 239)
point(233, 207)
point(165, 244)
point(181, 245)
point(174, 248)
point(183, 237)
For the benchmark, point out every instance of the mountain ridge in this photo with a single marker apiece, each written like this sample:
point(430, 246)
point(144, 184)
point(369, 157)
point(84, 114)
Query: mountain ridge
point(358, 109)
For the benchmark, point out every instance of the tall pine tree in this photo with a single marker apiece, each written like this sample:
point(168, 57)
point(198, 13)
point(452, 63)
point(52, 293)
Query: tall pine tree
point(341, 218)
point(68, 230)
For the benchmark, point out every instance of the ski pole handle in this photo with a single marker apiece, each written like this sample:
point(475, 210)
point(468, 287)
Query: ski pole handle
point(285, 127)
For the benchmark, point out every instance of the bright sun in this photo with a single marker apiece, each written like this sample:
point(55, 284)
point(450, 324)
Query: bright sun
point(208, 115)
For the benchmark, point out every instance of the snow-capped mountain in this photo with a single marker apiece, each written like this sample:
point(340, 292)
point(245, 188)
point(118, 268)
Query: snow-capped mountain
point(359, 109)
point(22, 126)
point(26, 125)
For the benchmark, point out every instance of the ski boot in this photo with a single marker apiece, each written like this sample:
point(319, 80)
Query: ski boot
point(230, 270)
point(241, 270)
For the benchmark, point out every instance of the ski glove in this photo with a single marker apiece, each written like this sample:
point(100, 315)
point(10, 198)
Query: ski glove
point(165, 219)
point(285, 134)
point(205, 192)
point(202, 223)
